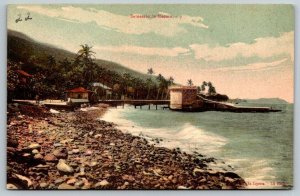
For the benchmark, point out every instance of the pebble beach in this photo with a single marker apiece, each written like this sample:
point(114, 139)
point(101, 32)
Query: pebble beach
point(76, 150)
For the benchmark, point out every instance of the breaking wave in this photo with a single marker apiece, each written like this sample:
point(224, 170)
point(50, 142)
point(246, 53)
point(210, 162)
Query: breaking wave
point(187, 137)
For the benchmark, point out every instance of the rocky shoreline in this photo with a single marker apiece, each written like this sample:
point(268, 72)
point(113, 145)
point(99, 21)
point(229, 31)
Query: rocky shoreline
point(74, 150)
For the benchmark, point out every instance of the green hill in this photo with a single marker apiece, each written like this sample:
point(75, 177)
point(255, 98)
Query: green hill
point(54, 70)
point(24, 48)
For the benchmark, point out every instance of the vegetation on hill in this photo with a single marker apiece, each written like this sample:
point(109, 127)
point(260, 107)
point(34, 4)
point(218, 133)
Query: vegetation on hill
point(26, 49)
point(54, 71)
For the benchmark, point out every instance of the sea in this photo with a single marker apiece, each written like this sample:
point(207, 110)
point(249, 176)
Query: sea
point(256, 146)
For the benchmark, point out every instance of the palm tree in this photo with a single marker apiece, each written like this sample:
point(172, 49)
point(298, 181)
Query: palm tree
point(149, 84)
point(164, 86)
point(66, 64)
point(204, 84)
point(150, 71)
point(171, 81)
point(85, 58)
point(211, 88)
point(127, 81)
point(160, 79)
point(149, 81)
point(190, 82)
point(138, 83)
point(53, 73)
point(85, 52)
point(203, 87)
point(51, 62)
point(209, 84)
point(198, 89)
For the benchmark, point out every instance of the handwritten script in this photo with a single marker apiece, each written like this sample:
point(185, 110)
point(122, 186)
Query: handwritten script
point(19, 19)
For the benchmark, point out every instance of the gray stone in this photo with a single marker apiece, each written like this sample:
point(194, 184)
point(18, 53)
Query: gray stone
point(79, 183)
point(93, 163)
point(43, 185)
point(103, 183)
point(38, 156)
point(24, 179)
point(97, 136)
point(11, 186)
point(58, 181)
point(128, 178)
point(198, 170)
point(75, 151)
point(34, 146)
point(50, 158)
point(81, 172)
point(71, 181)
point(60, 154)
point(57, 144)
point(62, 166)
point(182, 187)
point(65, 186)
point(34, 151)
point(88, 152)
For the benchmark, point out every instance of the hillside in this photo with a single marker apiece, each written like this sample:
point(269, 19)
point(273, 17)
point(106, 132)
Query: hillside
point(17, 41)
point(54, 70)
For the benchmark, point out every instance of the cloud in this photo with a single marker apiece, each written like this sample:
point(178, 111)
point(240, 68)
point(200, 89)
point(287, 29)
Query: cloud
point(149, 51)
point(120, 23)
point(261, 66)
point(262, 47)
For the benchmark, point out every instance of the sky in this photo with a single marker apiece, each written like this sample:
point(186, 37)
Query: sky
point(246, 51)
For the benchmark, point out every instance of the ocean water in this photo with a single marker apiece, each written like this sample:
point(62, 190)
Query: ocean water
point(257, 146)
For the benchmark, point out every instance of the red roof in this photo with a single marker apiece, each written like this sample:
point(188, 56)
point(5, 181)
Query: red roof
point(79, 90)
point(24, 73)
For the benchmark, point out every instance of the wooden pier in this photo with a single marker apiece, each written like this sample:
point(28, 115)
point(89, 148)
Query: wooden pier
point(209, 105)
point(138, 103)
point(199, 105)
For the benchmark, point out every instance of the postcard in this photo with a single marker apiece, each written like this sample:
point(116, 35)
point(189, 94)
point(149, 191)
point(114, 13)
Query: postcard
point(150, 96)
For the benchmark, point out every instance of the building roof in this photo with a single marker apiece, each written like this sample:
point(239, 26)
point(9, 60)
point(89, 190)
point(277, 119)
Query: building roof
point(98, 84)
point(24, 73)
point(78, 90)
point(182, 87)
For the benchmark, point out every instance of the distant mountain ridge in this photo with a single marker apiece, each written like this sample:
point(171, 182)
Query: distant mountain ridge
point(17, 41)
point(267, 101)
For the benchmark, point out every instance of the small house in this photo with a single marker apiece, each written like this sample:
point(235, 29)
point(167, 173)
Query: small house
point(78, 95)
point(22, 89)
point(101, 91)
point(23, 76)
point(183, 97)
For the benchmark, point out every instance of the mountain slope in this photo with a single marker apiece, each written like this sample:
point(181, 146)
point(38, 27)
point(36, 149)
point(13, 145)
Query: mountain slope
point(20, 46)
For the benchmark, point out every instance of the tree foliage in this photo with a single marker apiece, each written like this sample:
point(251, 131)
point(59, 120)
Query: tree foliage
point(211, 89)
point(52, 77)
